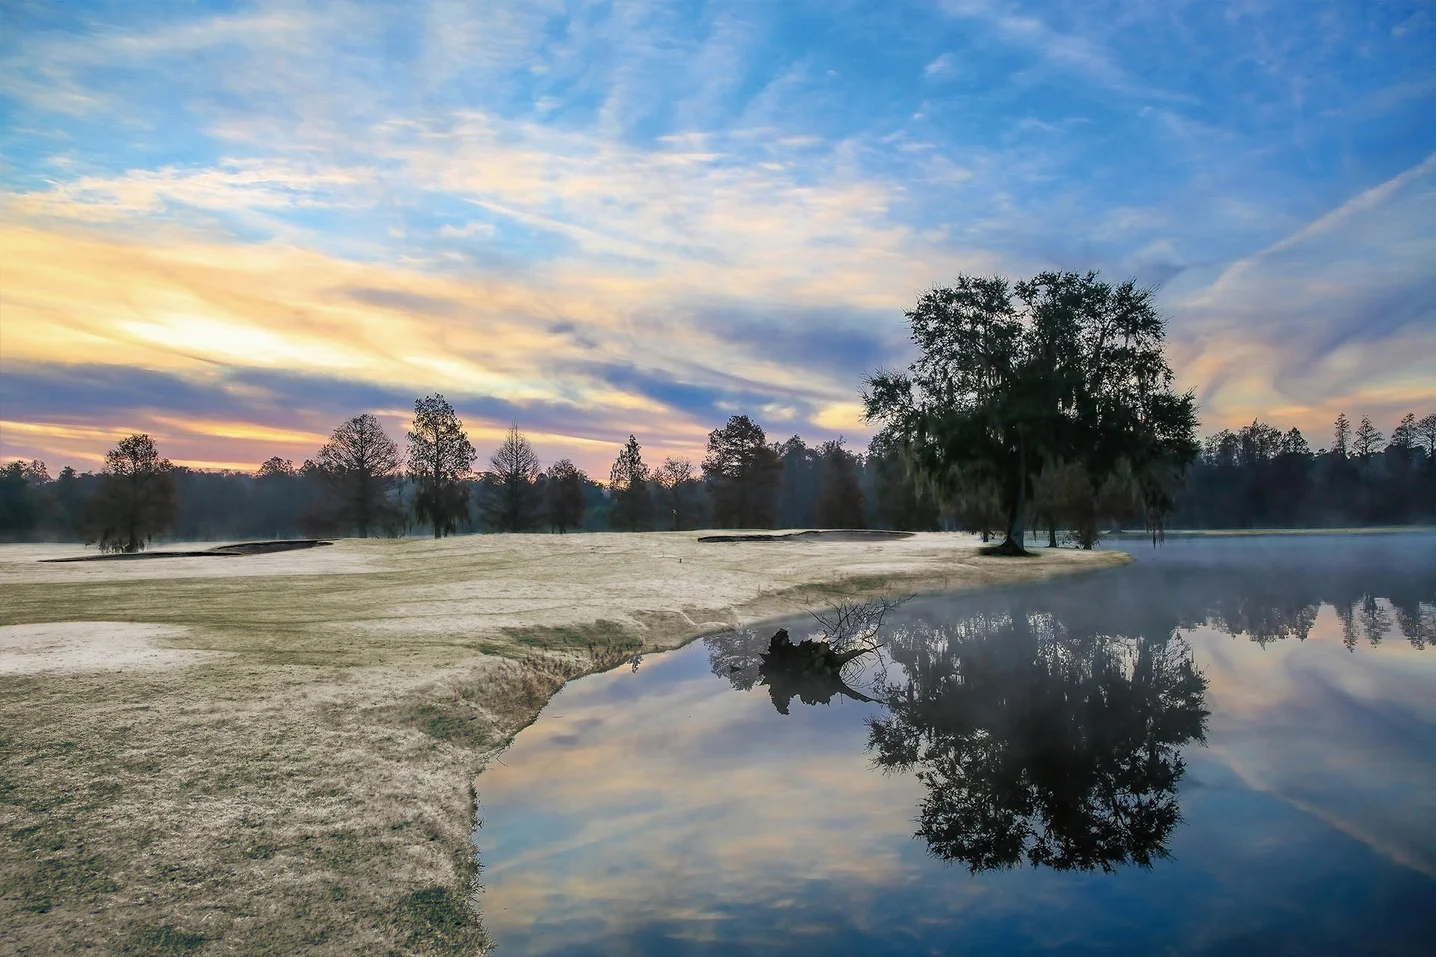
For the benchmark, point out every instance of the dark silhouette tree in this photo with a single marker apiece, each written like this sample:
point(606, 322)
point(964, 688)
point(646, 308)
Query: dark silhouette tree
point(275, 467)
point(564, 496)
point(440, 460)
point(840, 498)
point(510, 499)
point(135, 500)
point(1426, 431)
point(1061, 368)
point(742, 472)
point(628, 482)
point(358, 468)
point(68, 499)
point(22, 497)
point(677, 491)
point(1366, 440)
point(1038, 746)
point(1341, 436)
point(274, 497)
point(799, 482)
point(1405, 435)
point(1260, 477)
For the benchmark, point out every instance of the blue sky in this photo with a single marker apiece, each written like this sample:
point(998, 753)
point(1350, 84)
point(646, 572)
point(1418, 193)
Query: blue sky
point(232, 225)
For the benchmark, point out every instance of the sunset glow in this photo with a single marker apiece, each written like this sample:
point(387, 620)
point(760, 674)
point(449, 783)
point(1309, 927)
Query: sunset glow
point(234, 225)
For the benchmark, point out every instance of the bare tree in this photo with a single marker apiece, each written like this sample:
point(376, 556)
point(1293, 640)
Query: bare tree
point(440, 459)
point(563, 495)
point(851, 627)
point(358, 467)
point(674, 479)
point(510, 500)
point(136, 497)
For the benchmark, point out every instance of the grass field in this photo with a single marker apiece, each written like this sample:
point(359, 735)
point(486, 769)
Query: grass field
point(277, 754)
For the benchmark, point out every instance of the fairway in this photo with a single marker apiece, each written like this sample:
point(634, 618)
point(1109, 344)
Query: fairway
point(274, 753)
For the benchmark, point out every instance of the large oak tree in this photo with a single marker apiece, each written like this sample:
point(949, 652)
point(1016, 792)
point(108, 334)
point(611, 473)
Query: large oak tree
point(1012, 379)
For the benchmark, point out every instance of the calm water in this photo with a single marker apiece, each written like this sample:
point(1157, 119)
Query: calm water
point(1228, 747)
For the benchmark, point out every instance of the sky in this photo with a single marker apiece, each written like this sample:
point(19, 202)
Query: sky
point(234, 225)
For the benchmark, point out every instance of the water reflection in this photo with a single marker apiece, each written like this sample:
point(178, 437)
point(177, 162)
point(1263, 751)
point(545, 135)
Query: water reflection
point(1045, 743)
point(1035, 745)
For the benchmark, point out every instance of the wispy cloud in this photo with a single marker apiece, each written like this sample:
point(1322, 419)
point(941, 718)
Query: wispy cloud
point(638, 217)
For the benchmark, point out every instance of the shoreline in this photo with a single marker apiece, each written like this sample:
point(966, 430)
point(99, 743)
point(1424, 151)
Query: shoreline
point(314, 747)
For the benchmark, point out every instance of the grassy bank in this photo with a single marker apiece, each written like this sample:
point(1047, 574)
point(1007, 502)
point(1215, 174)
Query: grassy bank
point(277, 753)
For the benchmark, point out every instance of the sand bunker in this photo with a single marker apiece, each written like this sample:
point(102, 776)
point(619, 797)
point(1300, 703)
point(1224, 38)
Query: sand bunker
point(237, 550)
point(76, 646)
point(831, 535)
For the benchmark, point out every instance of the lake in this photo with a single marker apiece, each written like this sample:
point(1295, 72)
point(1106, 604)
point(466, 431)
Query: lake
point(1228, 747)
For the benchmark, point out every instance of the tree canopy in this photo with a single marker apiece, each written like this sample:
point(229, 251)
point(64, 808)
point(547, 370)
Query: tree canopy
point(136, 497)
point(840, 497)
point(564, 495)
point(628, 482)
point(358, 467)
point(742, 472)
point(440, 460)
point(1014, 378)
point(509, 500)
point(677, 491)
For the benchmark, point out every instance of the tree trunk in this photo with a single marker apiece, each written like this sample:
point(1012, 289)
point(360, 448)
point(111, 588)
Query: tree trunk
point(1052, 534)
point(1017, 515)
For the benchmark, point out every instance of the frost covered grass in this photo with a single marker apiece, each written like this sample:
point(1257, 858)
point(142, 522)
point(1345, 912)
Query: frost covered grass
point(277, 753)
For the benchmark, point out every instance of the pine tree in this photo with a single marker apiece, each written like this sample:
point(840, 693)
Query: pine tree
point(742, 472)
point(1341, 436)
point(628, 482)
point(1367, 440)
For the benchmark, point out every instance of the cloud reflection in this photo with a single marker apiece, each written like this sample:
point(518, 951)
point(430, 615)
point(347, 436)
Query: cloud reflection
point(644, 811)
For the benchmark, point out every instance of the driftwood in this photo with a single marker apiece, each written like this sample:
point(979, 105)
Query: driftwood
point(810, 670)
point(219, 551)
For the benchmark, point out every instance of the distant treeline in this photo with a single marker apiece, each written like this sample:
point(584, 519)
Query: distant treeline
point(360, 484)
point(1261, 477)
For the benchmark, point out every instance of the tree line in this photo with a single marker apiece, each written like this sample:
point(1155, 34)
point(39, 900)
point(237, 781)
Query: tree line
point(1261, 477)
point(1044, 404)
point(362, 482)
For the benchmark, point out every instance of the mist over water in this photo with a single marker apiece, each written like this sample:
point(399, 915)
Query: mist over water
point(1226, 747)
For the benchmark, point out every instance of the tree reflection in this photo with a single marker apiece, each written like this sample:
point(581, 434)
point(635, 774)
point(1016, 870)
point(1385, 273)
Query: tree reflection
point(1047, 724)
point(744, 659)
point(1037, 745)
